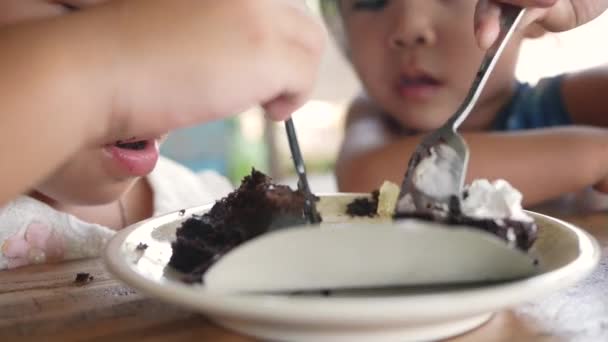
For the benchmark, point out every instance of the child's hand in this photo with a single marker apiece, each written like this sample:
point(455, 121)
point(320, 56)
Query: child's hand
point(553, 15)
point(182, 62)
point(101, 71)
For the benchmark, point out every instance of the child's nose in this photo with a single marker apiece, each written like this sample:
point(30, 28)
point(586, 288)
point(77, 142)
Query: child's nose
point(412, 30)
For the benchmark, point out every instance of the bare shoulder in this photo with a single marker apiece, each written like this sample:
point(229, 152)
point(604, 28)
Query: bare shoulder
point(367, 127)
point(361, 107)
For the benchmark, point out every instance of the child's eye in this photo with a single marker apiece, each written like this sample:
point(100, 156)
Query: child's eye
point(370, 5)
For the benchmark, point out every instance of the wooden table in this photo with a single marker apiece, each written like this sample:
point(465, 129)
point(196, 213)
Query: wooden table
point(43, 303)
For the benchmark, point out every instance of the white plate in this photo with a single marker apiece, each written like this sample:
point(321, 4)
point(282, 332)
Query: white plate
point(566, 252)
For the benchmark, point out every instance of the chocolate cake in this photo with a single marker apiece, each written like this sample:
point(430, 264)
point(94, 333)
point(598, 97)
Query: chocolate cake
point(521, 234)
point(256, 207)
point(510, 222)
point(83, 278)
point(259, 206)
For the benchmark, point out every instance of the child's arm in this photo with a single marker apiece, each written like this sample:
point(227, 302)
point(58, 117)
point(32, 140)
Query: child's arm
point(141, 68)
point(584, 95)
point(32, 232)
point(541, 163)
point(47, 108)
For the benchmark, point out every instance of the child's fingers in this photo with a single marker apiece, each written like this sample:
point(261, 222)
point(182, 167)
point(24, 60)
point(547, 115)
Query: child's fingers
point(282, 107)
point(298, 77)
point(561, 15)
point(297, 65)
point(487, 17)
point(486, 21)
point(531, 3)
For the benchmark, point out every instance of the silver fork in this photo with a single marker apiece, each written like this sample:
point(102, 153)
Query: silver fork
point(447, 148)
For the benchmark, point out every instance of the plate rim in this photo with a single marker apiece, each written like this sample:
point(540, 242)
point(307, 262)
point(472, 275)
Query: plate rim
point(385, 309)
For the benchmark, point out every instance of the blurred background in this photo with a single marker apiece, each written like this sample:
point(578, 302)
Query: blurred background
point(232, 147)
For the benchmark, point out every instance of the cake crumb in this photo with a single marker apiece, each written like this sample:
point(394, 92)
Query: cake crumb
point(326, 293)
point(83, 278)
point(141, 246)
point(364, 206)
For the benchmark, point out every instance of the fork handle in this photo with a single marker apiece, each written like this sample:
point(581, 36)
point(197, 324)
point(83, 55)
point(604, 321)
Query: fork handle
point(509, 18)
point(310, 209)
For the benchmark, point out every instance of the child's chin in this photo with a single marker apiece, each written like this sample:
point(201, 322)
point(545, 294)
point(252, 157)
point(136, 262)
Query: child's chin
point(100, 196)
point(418, 125)
point(85, 193)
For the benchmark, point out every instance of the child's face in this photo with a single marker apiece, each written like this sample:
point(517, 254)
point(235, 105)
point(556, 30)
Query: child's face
point(98, 174)
point(101, 174)
point(12, 11)
point(417, 58)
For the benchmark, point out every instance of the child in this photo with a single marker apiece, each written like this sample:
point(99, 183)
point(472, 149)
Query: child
point(416, 60)
point(88, 89)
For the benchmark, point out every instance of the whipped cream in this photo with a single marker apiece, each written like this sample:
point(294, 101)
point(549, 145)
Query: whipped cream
point(496, 200)
point(433, 175)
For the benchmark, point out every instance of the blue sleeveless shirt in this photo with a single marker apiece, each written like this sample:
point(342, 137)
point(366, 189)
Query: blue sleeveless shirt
point(534, 107)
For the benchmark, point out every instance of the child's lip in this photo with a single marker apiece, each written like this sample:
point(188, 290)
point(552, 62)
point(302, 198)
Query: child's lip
point(134, 139)
point(417, 85)
point(134, 156)
point(134, 161)
point(418, 74)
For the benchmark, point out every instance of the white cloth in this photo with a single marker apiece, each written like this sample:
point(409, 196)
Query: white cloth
point(33, 232)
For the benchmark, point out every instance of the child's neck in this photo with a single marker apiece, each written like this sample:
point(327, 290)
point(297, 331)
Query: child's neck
point(486, 111)
point(134, 205)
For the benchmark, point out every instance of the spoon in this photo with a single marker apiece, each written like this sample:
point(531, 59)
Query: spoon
point(367, 255)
